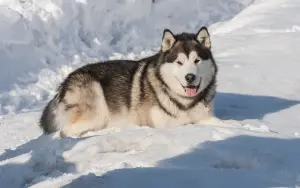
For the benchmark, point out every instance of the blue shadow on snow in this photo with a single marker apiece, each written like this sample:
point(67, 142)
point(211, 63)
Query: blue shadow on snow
point(241, 107)
point(241, 161)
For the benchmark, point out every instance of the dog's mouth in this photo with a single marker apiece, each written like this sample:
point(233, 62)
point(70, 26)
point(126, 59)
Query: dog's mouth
point(191, 90)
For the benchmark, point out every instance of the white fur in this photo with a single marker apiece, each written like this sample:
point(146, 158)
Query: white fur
point(95, 117)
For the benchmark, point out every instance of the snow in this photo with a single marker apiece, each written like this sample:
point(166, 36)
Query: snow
point(255, 44)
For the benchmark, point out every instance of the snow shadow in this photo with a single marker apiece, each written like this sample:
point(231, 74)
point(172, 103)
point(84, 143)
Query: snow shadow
point(241, 161)
point(242, 107)
point(41, 158)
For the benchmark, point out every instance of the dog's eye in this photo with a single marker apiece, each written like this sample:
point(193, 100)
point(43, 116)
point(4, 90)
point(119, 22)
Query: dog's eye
point(179, 62)
point(197, 61)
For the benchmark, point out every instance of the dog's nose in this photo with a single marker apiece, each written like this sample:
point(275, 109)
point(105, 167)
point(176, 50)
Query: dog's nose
point(190, 78)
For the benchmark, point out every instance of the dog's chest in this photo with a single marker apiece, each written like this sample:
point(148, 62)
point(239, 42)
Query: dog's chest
point(161, 119)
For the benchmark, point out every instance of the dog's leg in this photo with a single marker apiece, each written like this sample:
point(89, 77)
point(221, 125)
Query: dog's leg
point(83, 109)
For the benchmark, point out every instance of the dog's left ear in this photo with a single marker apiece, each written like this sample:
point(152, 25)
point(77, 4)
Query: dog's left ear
point(168, 40)
point(203, 37)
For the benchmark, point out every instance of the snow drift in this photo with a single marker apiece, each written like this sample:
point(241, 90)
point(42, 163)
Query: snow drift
point(43, 40)
point(256, 45)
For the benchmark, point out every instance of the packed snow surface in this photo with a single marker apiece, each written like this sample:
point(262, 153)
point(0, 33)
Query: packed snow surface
point(256, 44)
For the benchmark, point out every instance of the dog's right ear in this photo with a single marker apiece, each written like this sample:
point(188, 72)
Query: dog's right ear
point(168, 40)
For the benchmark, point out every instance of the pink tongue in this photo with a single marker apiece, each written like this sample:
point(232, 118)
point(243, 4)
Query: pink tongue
point(190, 91)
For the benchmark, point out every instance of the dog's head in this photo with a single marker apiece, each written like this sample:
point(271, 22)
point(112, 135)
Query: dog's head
point(187, 66)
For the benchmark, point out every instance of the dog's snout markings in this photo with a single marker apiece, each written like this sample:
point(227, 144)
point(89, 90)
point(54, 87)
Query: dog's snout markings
point(173, 87)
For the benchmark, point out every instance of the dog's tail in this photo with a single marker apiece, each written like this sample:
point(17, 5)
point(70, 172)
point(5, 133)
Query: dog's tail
point(47, 121)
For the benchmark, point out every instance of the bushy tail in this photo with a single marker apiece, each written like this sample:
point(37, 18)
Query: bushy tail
point(47, 121)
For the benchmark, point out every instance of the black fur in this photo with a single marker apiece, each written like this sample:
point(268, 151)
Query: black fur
point(48, 117)
point(117, 84)
point(142, 82)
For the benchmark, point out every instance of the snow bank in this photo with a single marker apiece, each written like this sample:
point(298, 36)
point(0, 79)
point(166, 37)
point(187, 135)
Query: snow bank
point(41, 39)
point(257, 52)
point(191, 156)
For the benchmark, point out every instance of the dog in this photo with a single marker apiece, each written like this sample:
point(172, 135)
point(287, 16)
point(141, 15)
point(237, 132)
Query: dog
point(176, 86)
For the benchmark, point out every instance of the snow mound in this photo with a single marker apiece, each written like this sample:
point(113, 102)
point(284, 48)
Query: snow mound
point(41, 39)
point(258, 93)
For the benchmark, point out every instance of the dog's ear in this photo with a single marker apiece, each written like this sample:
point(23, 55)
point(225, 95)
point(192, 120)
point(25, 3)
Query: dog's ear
point(168, 40)
point(203, 37)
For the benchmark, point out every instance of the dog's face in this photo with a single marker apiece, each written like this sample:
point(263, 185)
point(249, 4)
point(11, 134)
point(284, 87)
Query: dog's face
point(187, 66)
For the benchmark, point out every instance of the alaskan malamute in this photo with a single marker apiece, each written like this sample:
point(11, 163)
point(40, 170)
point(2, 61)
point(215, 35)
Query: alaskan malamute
point(176, 86)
